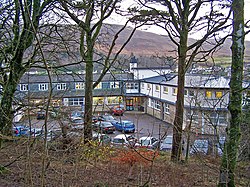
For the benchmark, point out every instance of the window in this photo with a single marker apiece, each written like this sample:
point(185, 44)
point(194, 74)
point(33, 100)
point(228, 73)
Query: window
point(154, 104)
point(114, 85)
point(166, 108)
point(191, 93)
point(157, 88)
point(132, 85)
point(105, 85)
point(157, 105)
point(43, 87)
point(79, 86)
point(185, 92)
point(192, 116)
point(61, 86)
point(148, 86)
point(142, 85)
point(174, 91)
point(76, 101)
point(23, 87)
point(208, 94)
point(218, 94)
point(165, 89)
point(218, 118)
point(149, 102)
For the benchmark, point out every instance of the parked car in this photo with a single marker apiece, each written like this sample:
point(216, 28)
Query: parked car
point(220, 145)
point(77, 123)
point(125, 126)
point(146, 142)
point(107, 117)
point(40, 115)
point(117, 110)
point(103, 127)
point(21, 130)
point(166, 144)
point(51, 135)
point(76, 114)
point(101, 138)
point(36, 132)
point(123, 140)
point(200, 146)
point(94, 119)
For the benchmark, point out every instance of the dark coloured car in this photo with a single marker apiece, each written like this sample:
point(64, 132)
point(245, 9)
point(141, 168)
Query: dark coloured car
point(108, 118)
point(94, 119)
point(103, 127)
point(40, 115)
point(125, 126)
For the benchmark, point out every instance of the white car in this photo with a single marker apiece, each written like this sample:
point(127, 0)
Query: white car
point(124, 140)
point(146, 142)
point(166, 144)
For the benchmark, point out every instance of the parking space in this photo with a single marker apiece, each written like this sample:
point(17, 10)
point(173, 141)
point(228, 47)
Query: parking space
point(145, 125)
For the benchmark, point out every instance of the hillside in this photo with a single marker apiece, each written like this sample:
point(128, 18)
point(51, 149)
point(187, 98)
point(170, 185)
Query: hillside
point(146, 43)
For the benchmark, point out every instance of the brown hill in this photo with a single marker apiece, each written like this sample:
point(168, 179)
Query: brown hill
point(147, 43)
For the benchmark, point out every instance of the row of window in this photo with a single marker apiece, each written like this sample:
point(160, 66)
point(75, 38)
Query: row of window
point(208, 94)
point(157, 105)
point(79, 101)
point(213, 118)
point(132, 85)
point(77, 86)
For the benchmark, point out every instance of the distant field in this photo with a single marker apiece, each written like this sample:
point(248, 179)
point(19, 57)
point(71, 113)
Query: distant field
point(226, 60)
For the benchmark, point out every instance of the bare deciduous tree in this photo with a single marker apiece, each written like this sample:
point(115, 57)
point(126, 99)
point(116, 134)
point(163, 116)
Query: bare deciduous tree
point(19, 21)
point(90, 17)
point(180, 19)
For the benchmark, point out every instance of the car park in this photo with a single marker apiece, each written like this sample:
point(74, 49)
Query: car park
point(146, 142)
point(103, 127)
point(123, 140)
point(125, 126)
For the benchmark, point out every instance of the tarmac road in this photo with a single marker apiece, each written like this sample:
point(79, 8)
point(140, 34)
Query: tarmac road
point(145, 124)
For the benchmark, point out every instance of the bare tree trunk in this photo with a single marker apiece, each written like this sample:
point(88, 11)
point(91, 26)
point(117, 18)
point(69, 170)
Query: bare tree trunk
point(178, 120)
point(230, 153)
point(88, 99)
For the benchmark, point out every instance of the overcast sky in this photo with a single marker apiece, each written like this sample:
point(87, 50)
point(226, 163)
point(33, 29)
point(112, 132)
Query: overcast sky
point(121, 20)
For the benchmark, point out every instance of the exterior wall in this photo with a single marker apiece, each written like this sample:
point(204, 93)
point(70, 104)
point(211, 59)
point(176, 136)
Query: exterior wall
point(204, 103)
point(146, 73)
